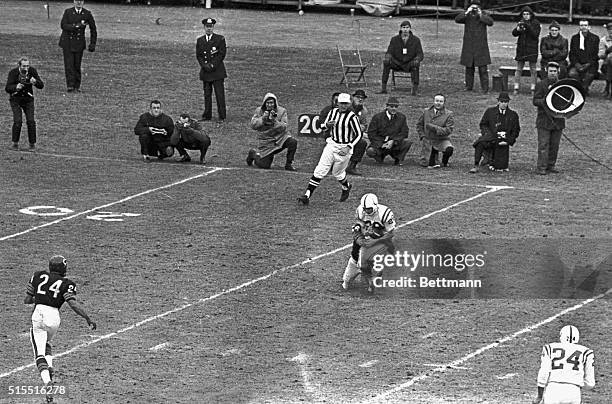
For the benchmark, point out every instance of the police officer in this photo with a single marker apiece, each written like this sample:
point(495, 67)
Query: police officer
point(210, 52)
point(72, 41)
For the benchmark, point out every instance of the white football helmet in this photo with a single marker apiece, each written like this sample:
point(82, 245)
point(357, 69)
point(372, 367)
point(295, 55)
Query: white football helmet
point(369, 201)
point(569, 333)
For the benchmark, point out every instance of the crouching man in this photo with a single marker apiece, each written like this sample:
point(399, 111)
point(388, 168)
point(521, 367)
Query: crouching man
point(188, 134)
point(154, 130)
point(372, 235)
point(270, 122)
point(388, 134)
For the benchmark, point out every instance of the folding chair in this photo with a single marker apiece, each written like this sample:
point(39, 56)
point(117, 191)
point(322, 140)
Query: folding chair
point(400, 74)
point(351, 66)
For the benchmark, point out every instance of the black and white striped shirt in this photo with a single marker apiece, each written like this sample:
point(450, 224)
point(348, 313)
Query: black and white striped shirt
point(347, 129)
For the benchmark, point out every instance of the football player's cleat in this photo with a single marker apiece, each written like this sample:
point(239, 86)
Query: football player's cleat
point(569, 333)
point(58, 264)
point(304, 200)
point(345, 193)
point(369, 203)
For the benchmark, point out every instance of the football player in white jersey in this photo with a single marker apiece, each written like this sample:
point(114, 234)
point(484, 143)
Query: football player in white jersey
point(372, 235)
point(566, 367)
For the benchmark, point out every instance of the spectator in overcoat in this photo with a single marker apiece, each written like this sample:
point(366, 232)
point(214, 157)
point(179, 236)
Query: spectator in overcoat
point(388, 133)
point(527, 31)
point(435, 127)
point(605, 53)
point(210, 52)
point(475, 49)
point(188, 134)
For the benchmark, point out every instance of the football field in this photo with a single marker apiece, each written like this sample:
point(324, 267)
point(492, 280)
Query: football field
point(211, 284)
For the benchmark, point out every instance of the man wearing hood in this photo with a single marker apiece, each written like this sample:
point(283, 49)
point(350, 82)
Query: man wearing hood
point(554, 48)
point(475, 49)
point(270, 122)
point(527, 31)
point(584, 55)
point(403, 53)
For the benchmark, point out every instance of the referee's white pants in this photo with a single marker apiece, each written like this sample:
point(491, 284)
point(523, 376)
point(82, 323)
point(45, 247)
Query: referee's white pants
point(331, 160)
point(45, 323)
point(561, 393)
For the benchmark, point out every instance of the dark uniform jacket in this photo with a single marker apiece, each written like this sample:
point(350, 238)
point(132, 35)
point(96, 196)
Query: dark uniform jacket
point(26, 93)
point(413, 48)
point(494, 121)
point(543, 119)
point(210, 55)
point(382, 128)
point(588, 55)
point(73, 30)
point(528, 37)
point(475, 49)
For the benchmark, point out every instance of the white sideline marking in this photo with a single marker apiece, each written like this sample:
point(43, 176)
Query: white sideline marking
point(369, 363)
point(479, 351)
point(85, 212)
point(159, 346)
point(431, 334)
point(437, 365)
point(302, 360)
point(507, 376)
point(241, 286)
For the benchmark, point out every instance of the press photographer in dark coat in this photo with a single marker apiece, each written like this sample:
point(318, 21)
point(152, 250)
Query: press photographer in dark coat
point(19, 85)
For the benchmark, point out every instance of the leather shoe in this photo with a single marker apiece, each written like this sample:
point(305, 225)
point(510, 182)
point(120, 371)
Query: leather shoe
point(541, 171)
point(553, 170)
point(290, 167)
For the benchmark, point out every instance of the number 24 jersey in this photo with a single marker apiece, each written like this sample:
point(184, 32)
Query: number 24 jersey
point(567, 363)
point(51, 289)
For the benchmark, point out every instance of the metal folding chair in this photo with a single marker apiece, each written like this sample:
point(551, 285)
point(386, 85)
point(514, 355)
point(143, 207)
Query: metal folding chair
point(352, 66)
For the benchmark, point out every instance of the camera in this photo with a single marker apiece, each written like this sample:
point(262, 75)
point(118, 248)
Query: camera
point(24, 79)
point(273, 114)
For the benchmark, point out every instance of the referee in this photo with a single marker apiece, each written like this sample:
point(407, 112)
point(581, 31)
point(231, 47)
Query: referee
point(345, 132)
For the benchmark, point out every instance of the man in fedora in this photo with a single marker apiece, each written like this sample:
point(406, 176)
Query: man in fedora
point(475, 49)
point(499, 128)
point(358, 107)
point(404, 53)
point(388, 133)
point(210, 52)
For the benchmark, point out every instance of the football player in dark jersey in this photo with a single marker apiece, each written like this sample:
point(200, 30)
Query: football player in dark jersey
point(48, 290)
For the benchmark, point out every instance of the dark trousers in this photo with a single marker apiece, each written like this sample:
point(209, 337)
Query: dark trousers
point(397, 152)
point(27, 105)
point(359, 150)
point(219, 87)
point(197, 141)
point(266, 162)
point(483, 72)
point(483, 149)
point(548, 147)
point(412, 68)
point(72, 68)
point(154, 145)
point(585, 77)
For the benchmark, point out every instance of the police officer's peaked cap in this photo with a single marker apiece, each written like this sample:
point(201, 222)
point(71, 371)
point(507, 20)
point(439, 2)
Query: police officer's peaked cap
point(209, 21)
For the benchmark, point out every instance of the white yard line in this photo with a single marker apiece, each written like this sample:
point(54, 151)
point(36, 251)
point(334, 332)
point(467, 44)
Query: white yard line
point(85, 212)
point(383, 397)
point(235, 288)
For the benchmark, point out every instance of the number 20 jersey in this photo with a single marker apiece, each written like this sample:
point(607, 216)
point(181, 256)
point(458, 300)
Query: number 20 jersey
point(564, 362)
point(51, 289)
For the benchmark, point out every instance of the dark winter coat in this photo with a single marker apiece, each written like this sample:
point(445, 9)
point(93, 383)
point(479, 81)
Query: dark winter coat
point(73, 26)
point(554, 49)
point(528, 33)
point(588, 55)
point(475, 49)
point(210, 55)
point(494, 121)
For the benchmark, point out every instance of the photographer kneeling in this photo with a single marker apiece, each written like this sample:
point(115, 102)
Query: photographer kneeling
point(270, 122)
point(188, 134)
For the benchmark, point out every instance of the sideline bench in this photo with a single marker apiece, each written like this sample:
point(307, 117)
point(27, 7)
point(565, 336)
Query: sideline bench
point(507, 71)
